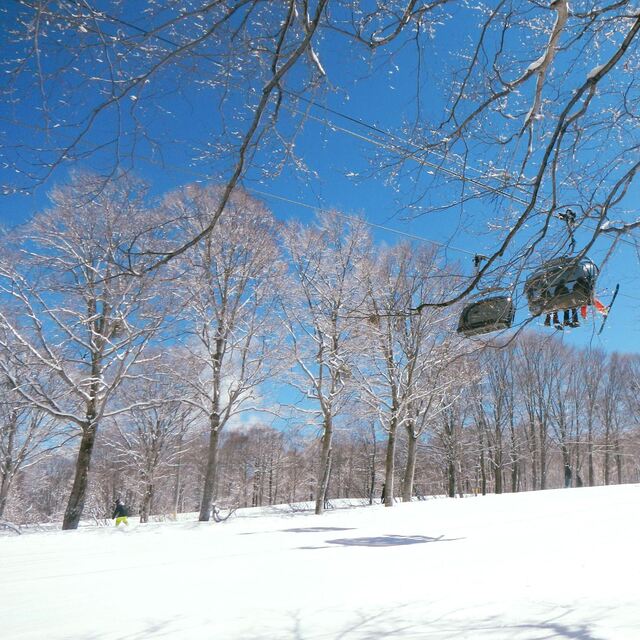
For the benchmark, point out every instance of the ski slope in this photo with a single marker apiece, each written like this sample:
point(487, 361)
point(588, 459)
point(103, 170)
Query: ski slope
point(548, 564)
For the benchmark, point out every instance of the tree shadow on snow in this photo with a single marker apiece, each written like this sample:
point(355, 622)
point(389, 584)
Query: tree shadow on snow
point(393, 624)
point(158, 629)
point(380, 541)
point(316, 529)
point(389, 541)
point(299, 530)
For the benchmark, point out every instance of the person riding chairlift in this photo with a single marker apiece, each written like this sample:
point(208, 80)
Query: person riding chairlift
point(570, 316)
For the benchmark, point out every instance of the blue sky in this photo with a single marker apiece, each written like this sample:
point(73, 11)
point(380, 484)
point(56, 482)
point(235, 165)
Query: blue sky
point(388, 90)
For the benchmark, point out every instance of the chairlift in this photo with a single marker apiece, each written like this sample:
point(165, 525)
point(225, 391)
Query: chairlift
point(560, 284)
point(487, 315)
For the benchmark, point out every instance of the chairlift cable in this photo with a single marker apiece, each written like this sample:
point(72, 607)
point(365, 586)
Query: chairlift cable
point(413, 156)
point(268, 194)
point(355, 218)
point(347, 117)
point(405, 141)
point(363, 123)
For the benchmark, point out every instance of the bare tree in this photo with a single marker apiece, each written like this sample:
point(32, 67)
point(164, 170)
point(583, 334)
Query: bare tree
point(253, 60)
point(27, 434)
point(429, 350)
point(561, 411)
point(592, 368)
point(450, 433)
point(321, 321)
point(612, 411)
point(151, 438)
point(536, 371)
point(494, 409)
point(227, 285)
point(268, 458)
point(80, 320)
point(632, 418)
point(432, 396)
point(404, 358)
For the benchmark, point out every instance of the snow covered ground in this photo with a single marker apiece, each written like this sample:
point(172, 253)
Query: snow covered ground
point(550, 564)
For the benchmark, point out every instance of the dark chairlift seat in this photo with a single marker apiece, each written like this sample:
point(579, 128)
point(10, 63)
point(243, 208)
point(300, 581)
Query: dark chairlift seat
point(562, 283)
point(487, 315)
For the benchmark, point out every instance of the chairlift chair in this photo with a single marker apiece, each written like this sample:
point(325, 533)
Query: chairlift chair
point(486, 315)
point(561, 283)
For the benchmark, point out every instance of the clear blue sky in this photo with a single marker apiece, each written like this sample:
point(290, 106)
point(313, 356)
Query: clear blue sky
point(385, 94)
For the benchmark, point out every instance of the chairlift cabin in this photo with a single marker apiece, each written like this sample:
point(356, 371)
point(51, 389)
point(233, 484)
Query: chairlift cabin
point(487, 315)
point(561, 283)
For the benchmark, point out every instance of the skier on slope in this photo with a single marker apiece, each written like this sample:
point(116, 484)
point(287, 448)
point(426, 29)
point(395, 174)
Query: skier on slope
point(120, 513)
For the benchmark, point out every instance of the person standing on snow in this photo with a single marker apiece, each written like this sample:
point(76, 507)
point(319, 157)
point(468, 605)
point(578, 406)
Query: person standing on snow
point(120, 513)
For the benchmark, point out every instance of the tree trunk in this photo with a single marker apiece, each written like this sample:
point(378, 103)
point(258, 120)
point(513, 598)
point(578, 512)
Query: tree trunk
point(410, 469)
point(271, 485)
point(566, 464)
point(390, 464)
point(591, 472)
point(514, 461)
point(8, 464)
point(5, 485)
point(147, 497)
point(212, 469)
point(618, 461)
point(498, 478)
point(372, 469)
point(177, 491)
point(607, 457)
point(451, 478)
point(498, 460)
point(578, 464)
point(543, 457)
point(256, 493)
point(483, 471)
point(533, 443)
point(75, 505)
point(325, 467)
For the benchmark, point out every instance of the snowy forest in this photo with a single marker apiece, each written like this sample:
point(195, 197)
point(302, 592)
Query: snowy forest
point(315, 314)
point(275, 362)
point(167, 337)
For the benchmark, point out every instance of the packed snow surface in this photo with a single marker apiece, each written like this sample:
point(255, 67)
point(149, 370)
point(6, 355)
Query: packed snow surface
point(547, 564)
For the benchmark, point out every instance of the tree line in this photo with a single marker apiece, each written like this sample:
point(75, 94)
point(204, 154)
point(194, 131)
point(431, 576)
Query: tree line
point(270, 362)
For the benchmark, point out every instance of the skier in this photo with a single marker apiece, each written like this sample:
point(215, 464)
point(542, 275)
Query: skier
point(120, 513)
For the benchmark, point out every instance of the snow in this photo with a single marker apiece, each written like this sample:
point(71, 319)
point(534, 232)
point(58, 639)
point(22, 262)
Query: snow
point(536, 64)
point(547, 564)
point(595, 71)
